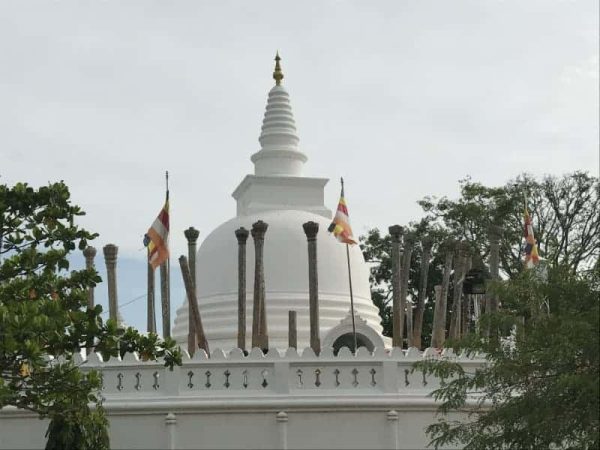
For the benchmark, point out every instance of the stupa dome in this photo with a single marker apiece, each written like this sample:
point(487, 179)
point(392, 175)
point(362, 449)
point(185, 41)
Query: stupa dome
point(279, 195)
point(286, 281)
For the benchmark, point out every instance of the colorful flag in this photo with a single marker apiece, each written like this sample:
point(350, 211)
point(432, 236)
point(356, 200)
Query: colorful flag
point(531, 252)
point(157, 237)
point(340, 227)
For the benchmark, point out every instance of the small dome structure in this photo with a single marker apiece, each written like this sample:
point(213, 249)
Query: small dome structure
point(279, 195)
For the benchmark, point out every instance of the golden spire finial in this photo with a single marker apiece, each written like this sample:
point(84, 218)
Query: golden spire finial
point(277, 74)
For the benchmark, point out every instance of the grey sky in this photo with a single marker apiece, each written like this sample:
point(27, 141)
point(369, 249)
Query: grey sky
point(108, 95)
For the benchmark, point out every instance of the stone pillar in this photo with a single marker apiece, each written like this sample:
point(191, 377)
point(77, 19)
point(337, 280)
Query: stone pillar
point(460, 265)
point(192, 299)
point(151, 312)
point(171, 424)
point(242, 236)
point(260, 337)
point(426, 244)
point(191, 234)
point(292, 330)
point(90, 253)
point(494, 234)
point(409, 243)
point(438, 333)
point(282, 420)
point(110, 257)
point(165, 301)
point(311, 229)
point(392, 418)
point(466, 300)
point(397, 310)
point(439, 330)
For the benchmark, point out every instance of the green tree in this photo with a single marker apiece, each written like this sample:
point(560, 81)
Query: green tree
point(45, 321)
point(539, 386)
point(565, 218)
point(564, 212)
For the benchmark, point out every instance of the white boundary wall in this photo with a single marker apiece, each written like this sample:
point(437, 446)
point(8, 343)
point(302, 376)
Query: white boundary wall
point(371, 400)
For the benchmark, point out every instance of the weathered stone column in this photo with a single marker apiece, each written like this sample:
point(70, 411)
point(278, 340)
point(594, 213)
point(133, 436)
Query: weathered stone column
point(397, 309)
point(260, 337)
point(494, 234)
point(165, 300)
point(457, 294)
point(191, 234)
point(466, 300)
point(110, 257)
point(439, 319)
point(311, 229)
point(151, 312)
point(242, 236)
point(193, 300)
point(409, 243)
point(90, 253)
point(426, 245)
point(292, 330)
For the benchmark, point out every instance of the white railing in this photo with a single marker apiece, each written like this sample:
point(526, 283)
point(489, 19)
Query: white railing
point(258, 374)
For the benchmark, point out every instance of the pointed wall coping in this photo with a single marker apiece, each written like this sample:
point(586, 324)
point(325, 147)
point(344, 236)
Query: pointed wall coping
point(218, 356)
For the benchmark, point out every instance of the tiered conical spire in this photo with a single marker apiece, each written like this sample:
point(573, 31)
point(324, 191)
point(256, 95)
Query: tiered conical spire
point(279, 154)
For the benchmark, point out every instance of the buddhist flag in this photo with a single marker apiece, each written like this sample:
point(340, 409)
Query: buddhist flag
point(340, 227)
point(157, 237)
point(531, 252)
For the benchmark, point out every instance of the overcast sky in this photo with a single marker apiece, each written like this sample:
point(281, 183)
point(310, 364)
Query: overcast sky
point(402, 98)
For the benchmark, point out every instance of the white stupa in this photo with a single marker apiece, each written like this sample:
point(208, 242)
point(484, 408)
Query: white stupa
point(279, 194)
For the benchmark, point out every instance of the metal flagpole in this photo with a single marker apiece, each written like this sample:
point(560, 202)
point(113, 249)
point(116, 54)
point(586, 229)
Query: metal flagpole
point(351, 297)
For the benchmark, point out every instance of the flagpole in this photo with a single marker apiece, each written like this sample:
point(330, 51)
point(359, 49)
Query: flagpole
point(165, 285)
point(351, 297)
point(168, 261)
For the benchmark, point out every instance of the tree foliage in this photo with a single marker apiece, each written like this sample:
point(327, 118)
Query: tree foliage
point(565, 220)
point(539, 387)
point(45, 321)
point(564, 211)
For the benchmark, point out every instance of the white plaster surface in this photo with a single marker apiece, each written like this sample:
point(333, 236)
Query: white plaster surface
point(286, 281)
point(233, 401)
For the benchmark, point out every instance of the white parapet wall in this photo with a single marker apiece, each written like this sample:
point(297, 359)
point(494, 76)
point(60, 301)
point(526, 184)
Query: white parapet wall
point(291, 400)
